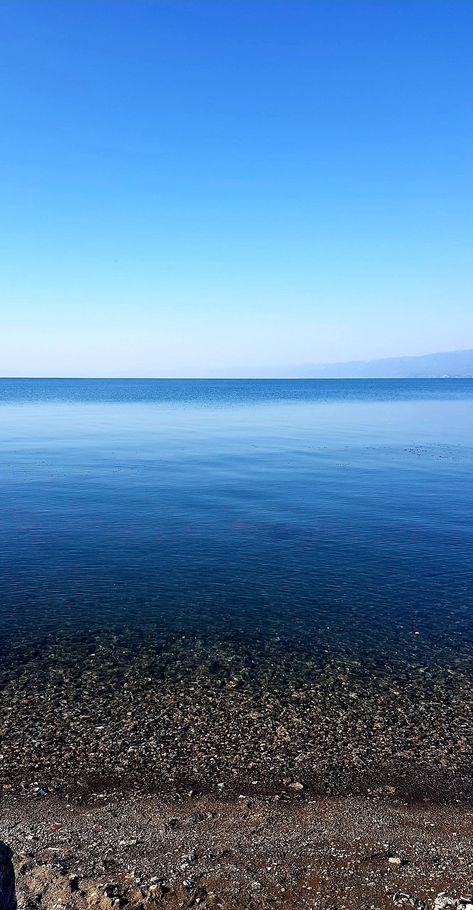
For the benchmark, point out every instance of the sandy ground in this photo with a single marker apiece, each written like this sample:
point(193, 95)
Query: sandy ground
point(249, 852)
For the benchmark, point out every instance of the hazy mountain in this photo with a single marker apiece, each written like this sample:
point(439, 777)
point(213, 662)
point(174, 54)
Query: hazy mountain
point(443, 364)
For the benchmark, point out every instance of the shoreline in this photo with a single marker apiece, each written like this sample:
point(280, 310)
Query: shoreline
point(156, 851)
point(401, 782)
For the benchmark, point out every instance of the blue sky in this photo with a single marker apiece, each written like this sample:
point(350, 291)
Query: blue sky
point(203, 188)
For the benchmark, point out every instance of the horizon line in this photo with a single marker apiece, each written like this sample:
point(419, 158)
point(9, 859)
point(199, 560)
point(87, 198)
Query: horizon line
point(235, 378)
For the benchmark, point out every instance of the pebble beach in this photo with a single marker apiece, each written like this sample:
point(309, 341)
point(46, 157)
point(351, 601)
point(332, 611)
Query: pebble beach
point(154, 852)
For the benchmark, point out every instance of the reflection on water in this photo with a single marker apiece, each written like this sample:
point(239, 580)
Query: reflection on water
point(248, 537)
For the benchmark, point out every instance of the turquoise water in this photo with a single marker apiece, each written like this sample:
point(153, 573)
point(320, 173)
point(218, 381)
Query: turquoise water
point(222, 584)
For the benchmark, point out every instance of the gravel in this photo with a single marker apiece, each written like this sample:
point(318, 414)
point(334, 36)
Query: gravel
point(145, 852)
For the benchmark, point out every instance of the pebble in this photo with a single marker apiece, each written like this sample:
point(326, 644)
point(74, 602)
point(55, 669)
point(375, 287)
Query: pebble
point(401, 899)
point(170, 719)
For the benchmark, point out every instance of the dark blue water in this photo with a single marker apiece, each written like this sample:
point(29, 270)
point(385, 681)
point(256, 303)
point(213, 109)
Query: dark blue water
point(320, 512)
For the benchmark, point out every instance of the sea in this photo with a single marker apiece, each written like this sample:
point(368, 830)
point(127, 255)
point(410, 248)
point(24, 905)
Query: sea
point(255, 533)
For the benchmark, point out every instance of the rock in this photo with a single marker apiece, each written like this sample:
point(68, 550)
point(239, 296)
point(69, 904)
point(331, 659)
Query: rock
point(401, 899)
point(444, 901)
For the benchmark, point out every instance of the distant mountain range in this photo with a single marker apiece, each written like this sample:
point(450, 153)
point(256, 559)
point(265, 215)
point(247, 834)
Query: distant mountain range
point(445, 364)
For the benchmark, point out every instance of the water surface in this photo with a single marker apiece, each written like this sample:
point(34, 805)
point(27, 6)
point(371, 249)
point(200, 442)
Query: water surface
point(252, 532)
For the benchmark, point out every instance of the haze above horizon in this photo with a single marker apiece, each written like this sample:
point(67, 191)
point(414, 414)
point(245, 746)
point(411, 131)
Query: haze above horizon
point(196, 186)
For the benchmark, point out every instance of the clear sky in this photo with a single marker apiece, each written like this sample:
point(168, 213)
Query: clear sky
point(205, 187)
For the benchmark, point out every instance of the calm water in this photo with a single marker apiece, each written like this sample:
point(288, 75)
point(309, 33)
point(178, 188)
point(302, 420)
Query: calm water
point(322, 515)
point(223, 584)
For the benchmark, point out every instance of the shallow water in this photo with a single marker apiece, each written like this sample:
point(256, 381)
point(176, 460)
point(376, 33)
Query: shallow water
point(253, 533)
